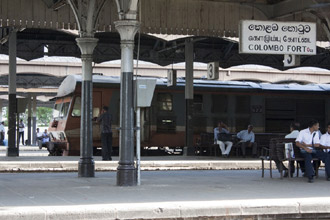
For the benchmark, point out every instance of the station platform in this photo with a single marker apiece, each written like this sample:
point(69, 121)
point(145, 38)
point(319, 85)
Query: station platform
point(32, 159)
point(173, 187)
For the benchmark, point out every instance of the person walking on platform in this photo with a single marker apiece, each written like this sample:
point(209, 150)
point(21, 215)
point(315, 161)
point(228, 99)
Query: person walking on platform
point(222, 138)
point(309, 142)
point(247, 140)
point(21, 127)
point(106, 133)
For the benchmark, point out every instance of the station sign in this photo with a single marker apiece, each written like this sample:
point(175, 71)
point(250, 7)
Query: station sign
point(274, 37)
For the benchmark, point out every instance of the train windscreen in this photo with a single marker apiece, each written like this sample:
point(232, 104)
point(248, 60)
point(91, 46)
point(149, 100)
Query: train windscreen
point(61, 110)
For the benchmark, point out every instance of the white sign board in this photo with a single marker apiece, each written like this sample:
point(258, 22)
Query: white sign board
point(274, 37)
point(145, 91)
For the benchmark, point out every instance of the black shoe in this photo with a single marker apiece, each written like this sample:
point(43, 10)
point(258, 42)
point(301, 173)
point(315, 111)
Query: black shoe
point(311, 180)
point(110, 158)
point(243, 156)
point(105, 159)
point(286, 173)
point(328, 179)
point(254, 156)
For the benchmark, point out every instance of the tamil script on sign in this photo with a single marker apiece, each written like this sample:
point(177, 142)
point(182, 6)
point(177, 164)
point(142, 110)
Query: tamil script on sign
point(273, 37)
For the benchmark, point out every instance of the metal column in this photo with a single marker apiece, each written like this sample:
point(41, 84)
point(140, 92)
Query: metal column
point(29, 121)
point(12, 150)
point(189, 96)
point(86, 167)
point(126, 172)
point(34, 120)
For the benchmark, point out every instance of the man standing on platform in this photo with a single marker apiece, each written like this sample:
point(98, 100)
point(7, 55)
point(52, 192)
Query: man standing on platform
point(2, 133)
point(106, 133)
point(21, 127)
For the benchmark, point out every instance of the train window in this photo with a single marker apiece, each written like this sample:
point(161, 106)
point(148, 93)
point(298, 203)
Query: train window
point(76, 111)
point(219, 103)
point(64, 109)
point(164, 101)
point(198, 103)
point(56, 110)
point(243, 104)
point(200, 124)
point(166, 124)
point(96, 112)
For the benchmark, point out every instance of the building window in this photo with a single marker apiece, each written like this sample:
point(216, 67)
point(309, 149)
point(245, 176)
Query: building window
point(165, 102)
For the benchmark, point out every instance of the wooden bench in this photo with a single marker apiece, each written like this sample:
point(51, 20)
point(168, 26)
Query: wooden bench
point(276, 151)
point(298, 157)
point(205, 145)
point(262, 141)
point(271, 154)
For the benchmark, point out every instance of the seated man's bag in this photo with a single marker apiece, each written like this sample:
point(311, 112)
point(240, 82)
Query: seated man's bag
point(224, 137)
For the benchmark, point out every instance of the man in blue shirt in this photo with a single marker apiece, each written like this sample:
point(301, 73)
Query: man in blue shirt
point(247, 140)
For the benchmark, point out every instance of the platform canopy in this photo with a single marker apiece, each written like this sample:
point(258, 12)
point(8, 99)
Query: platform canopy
point(211, 24)
point(217, 18)
point(35, 43)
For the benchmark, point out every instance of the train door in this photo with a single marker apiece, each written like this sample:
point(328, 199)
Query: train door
point(97, 106)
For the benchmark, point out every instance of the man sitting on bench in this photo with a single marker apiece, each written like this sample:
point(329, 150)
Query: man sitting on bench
point(222, 138)
point(325, 140)
point(247, 140)
point(309, 142)
point(43, 140)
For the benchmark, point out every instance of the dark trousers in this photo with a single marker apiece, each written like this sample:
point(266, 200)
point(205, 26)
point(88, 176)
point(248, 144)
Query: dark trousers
point(244, 145)
point(309, 171)
point(280, 164)
point(21, 134)
point(106, 139)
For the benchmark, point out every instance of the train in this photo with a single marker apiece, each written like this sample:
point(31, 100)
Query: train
point(269, 107)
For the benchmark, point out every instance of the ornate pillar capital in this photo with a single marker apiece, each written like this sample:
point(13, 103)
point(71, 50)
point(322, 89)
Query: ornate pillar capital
point(86, 45)
point(127, 29)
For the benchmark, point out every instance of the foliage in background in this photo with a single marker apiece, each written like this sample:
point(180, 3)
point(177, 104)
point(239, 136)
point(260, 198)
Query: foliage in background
point(44, 116)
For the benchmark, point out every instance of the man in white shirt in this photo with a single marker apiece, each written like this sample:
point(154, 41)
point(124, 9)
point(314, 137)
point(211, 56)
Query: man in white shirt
point(309, 142)
point(247, 140)
point(294, 132)
point(325, 140)
point(39, 138)
point(21, 127)
point(222, 128)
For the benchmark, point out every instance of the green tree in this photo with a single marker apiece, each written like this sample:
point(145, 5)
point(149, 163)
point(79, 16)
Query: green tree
point(44, 116)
